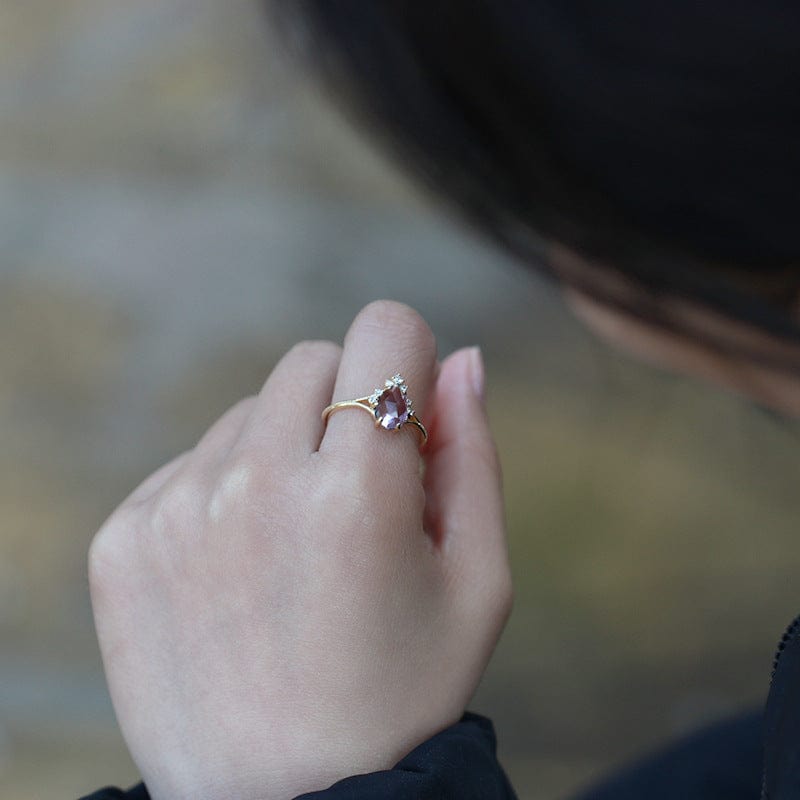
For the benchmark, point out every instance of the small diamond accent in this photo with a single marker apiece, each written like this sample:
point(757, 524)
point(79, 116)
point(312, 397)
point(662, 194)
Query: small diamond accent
point(397, 379)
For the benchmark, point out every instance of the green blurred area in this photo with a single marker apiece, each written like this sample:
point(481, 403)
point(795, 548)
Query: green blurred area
point(180, 207)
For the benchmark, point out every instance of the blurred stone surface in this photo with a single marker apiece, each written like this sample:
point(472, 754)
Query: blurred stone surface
point(177, 208)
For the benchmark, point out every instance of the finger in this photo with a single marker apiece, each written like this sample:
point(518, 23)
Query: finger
point(464, 500)
point(153, 483)
point(213, 446)
point(220, 438)
point(286, 415)
point(385, 338)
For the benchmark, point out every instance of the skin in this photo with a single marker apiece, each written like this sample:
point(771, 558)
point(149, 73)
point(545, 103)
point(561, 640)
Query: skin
point(287, 605)
point(727, 367)
point(768, 387)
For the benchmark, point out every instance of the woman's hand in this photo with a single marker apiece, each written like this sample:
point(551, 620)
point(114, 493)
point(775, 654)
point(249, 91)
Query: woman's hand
point(287, 605)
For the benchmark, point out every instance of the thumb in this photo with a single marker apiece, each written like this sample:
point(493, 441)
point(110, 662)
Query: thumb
point(464, 498)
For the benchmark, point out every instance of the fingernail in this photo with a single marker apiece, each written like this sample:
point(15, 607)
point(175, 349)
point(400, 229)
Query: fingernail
point(478, 373)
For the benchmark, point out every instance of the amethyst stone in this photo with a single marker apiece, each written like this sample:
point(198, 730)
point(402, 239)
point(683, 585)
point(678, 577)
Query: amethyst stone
point(392, 410)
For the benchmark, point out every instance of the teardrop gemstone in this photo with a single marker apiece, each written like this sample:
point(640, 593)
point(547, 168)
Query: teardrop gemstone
point(391, 410)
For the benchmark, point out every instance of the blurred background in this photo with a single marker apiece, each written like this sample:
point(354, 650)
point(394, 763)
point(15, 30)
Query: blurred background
point(177, 207)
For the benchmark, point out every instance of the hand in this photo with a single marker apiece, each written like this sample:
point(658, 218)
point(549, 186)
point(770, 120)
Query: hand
point(287, 605)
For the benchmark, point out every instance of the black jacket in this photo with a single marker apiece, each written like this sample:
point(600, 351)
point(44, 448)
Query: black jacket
point(753, 756)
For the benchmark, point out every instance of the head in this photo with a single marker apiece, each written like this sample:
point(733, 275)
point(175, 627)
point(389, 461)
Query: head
point(642, 156)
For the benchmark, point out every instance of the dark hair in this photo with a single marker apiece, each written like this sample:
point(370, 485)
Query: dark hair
point(659, 139)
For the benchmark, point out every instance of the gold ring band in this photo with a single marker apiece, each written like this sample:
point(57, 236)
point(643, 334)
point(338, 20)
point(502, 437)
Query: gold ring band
point(390, 407)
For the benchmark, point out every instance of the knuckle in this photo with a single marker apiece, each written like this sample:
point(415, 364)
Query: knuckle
point(98, 560)
point(308, 357)
point(357, 491)
point(110, 549)
point(398, 317)
point(347, 489)
point(226, 427)
point(241, 408)
point(315, 350)
point(344, 499)
point(233, 490)
point(177, 507)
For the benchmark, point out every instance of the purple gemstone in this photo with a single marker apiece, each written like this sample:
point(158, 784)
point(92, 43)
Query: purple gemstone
point(392, 409)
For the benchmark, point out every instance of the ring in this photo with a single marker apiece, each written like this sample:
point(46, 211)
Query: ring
point(390, 407)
